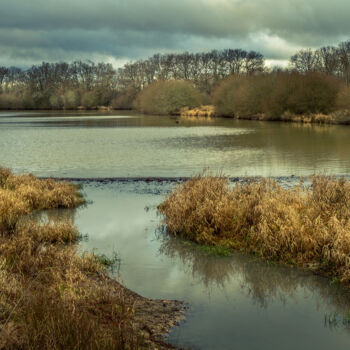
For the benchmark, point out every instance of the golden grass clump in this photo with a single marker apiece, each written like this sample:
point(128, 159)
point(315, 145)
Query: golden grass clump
point(307, 226)
point(317, 118)
point(44, 194)
point(21, 194)
point(201, 112)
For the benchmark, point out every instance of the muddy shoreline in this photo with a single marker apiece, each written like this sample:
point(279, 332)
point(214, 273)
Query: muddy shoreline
point(152, 319)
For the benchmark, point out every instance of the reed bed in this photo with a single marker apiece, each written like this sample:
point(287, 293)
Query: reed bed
point(48, 298)
point(338, 117)
point(51, 297)
point(199, 112)
point(317, 118)
point(308, 226)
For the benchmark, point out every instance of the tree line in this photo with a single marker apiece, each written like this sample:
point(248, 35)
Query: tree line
point(89, 85)
point(330, 60)
point(69, 85)
point(57, 85)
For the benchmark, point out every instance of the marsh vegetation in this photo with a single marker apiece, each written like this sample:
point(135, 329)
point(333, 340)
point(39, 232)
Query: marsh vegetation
point(52, 297)
point(307, 226)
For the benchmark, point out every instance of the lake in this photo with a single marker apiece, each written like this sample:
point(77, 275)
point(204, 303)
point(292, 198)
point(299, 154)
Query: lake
point(236, 302)
point(131, 145)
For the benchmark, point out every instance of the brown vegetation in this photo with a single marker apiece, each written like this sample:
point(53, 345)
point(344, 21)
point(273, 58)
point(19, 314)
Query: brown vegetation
point(305, 87)
point(168, 97)
point(51, 297)
point(201, 112)
point(306, 226)
point(272, 95)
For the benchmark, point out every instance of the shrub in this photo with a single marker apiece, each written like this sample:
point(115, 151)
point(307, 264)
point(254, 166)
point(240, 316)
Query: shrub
point(303, 93)
point(125, 99)
point(15, 100)
point(343, 98)
point(56, 101)
point(274, 94)
point(228, 97)
point(90, 99)
point(168, 97)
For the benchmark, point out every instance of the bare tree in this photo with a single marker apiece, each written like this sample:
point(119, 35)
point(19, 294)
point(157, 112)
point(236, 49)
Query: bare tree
point(304, 61)
point(344, 60)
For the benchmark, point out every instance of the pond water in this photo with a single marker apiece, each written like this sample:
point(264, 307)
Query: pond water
point(130, 145)
point(236, 302)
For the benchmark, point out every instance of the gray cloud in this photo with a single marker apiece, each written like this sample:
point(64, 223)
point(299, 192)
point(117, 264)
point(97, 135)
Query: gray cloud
point(36, 30)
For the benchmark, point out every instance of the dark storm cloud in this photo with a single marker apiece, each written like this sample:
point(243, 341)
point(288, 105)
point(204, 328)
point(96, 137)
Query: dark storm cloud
point(33, 30)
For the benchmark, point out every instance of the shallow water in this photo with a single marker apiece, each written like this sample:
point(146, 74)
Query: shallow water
point(236, 302)
point(96, 144)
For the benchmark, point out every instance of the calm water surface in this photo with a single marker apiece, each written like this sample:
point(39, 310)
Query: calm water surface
point(236, 302)
point(131, 145)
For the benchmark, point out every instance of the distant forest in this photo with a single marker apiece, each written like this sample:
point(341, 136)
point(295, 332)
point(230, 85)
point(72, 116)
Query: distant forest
point(90, 85)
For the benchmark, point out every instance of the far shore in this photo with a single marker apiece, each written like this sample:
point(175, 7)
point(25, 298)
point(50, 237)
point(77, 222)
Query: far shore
point(341, 117)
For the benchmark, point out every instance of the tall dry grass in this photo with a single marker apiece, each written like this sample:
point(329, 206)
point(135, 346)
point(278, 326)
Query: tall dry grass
point(306, 226)
point(21, 194)
point(168, 97)
point(199, 112)
point(51, 297)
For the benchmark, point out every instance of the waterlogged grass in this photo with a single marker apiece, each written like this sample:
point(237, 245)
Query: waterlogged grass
point(335, 320)
point(107, 261)
point(209, 250)
point(50, 296)
point(215, 250)
point(304, 226)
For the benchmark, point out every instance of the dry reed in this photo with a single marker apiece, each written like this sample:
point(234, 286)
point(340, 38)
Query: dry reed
point(199, 112)
point(306, 226)
point(51, 297)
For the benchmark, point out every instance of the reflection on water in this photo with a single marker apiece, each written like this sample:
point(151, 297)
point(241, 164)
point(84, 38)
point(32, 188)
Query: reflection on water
point(237, 302)
point(261, 281)
point(125, 144)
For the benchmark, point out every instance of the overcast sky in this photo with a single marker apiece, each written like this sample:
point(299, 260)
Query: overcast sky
point(32, 31)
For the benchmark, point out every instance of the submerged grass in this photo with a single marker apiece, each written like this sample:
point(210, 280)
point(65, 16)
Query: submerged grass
point(51, 297)
point(305, 226)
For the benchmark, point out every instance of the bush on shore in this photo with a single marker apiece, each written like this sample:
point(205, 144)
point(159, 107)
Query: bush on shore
point(168, 97)
point(57, 100)
point(306, 226)
point(274, 94)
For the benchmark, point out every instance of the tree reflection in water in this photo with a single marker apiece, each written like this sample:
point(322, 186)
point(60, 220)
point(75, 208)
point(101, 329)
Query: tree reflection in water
point(262, 281)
